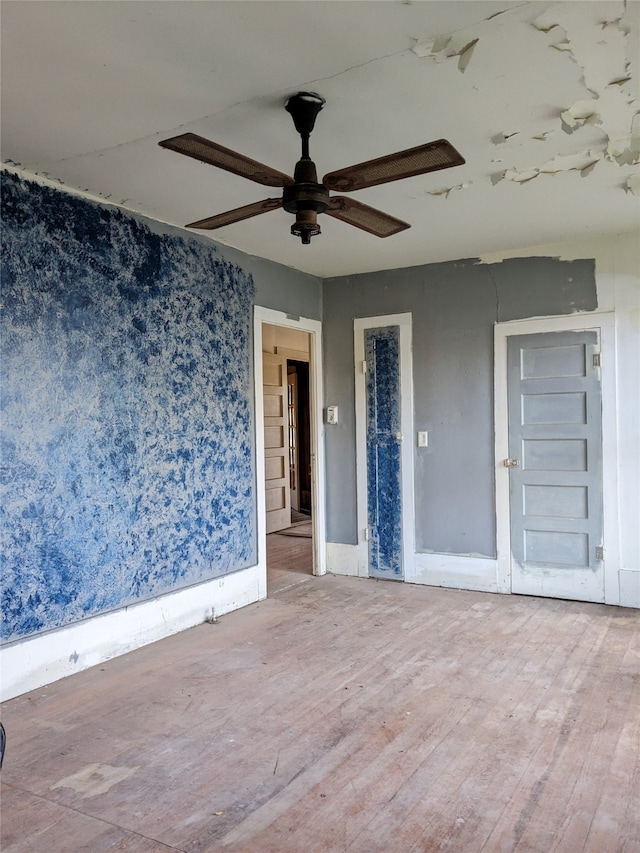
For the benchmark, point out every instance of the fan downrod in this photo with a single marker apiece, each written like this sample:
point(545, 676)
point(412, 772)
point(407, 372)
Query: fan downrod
point(306, 198)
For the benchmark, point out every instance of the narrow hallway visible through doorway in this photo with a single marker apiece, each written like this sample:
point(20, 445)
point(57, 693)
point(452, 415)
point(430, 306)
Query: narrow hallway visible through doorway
point(290, 554)
point(288, 486)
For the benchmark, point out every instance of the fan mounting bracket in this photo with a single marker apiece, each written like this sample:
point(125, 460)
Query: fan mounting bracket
point(303, 108)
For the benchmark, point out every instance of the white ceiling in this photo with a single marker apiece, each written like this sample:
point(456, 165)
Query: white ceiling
point(88, 89)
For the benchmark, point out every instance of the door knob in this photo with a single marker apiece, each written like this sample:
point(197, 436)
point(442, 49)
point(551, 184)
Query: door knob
point(510, 463)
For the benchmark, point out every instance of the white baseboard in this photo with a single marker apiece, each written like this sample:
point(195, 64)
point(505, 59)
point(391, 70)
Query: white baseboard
point(455, 571)
point(352, 560)
point(629, 588)
point(34, 662)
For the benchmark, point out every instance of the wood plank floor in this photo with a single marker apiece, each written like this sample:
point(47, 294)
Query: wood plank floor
point(343, 715)
point(289, 561)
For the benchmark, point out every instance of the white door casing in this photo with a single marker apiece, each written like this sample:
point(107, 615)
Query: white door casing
point(314, 328)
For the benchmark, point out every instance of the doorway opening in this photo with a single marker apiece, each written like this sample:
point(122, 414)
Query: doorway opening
point(288, 456)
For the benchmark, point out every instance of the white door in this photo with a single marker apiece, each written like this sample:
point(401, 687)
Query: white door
point(276, 442)
point(555, 462)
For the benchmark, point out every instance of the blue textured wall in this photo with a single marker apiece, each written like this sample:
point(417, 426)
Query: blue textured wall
point(384, 485)
point(127, 465)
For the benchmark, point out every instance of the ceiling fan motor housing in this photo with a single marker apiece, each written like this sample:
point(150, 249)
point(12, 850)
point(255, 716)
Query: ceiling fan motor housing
point(306, 198)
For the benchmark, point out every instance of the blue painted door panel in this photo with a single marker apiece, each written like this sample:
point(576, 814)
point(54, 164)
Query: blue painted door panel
point(384, 507)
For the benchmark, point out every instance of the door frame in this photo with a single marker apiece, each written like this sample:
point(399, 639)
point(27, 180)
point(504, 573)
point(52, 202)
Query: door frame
point(314, 328)
point(604, 325)
point(404, 321)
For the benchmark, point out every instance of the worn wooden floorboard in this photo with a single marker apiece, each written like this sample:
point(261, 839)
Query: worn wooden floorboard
point(289, 560)
point(342, 715)
point(33, 824)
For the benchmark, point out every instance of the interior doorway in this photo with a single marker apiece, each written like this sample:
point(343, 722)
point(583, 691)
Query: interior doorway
point(289, 437)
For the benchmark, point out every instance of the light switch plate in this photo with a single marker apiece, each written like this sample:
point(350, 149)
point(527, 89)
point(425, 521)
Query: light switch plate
point(423, 438)
point(332, 414)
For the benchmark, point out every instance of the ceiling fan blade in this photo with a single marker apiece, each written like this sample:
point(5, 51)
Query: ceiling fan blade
point(224, 158)
point(362, 216)
point(393, 167)
point(237, 215)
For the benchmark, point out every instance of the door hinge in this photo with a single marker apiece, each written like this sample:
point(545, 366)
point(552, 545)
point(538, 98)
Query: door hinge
point(367, 534)
point(599, 552)
point(597, 359)
point(364, 366)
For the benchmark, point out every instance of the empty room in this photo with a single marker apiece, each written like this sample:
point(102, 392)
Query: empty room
point(320, 401)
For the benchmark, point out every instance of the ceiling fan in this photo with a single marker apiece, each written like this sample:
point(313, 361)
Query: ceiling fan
point(302, 194)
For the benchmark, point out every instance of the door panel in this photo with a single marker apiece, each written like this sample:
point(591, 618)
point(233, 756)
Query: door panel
point(561, 548)
point(555, 434)
point(559, 501)
point(276, 445)
point(554, 408)
point(383, 424)
point(274, 468)
point(554, 455)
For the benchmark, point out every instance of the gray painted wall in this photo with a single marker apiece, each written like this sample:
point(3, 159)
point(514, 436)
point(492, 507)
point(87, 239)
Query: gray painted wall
point(454, 307)
point(285, 289)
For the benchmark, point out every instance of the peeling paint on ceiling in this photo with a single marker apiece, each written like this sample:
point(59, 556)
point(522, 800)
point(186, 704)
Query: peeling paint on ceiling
point(444, 193)
point(460, 45)
point(542, 95)
point(601, 52)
